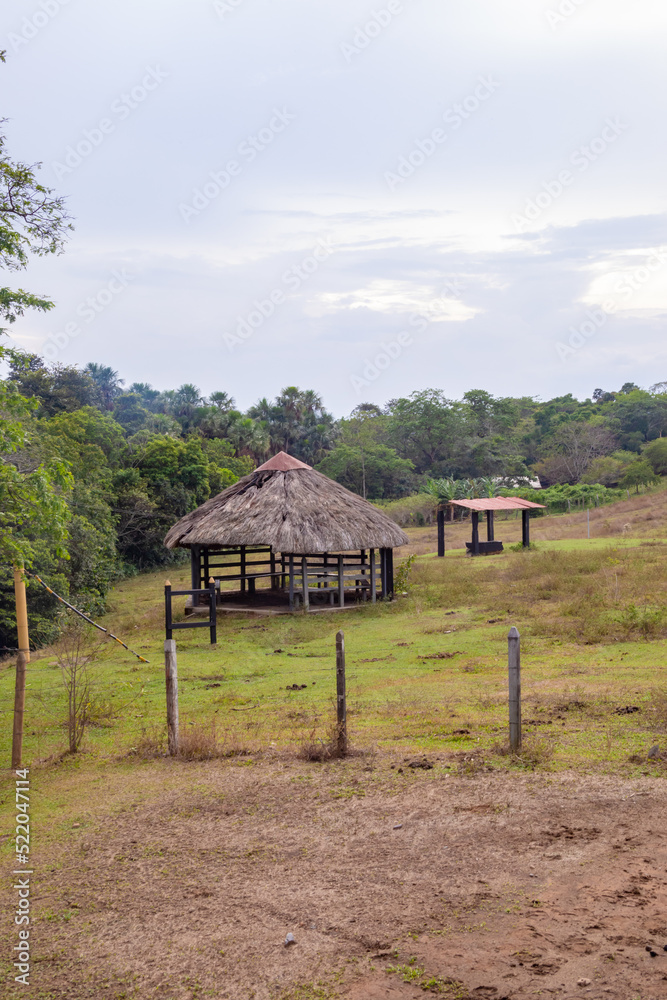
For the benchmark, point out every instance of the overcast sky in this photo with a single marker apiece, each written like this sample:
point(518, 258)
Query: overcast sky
point(363, 199)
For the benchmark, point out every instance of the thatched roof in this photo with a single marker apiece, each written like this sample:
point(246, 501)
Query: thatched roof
point(286, 504)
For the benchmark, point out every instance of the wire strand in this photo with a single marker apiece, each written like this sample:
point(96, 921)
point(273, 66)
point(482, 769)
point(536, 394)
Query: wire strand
point(90, 621)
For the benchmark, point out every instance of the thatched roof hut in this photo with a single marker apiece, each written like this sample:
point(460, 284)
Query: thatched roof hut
point(291, 507)
point(285, 509)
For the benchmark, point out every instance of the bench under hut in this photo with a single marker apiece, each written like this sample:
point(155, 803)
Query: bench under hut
point(287, 537)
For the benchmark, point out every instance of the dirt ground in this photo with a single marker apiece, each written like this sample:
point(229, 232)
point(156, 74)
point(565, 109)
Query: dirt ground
point(479, 884)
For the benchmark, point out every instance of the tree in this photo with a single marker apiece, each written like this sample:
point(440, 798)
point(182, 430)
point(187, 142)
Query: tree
point(59, 388)
point(31, 501)
point(427, 429)
point(296, 422)
point(637, 416)
point(222, 401)
point(129, 412)
point(32, 223)
point(639, 473)
point(107, 382)
point(656, 454)
point(608, 470)
point(361, 432)
point(375, 471)
point(574, 445)
point(148, 394)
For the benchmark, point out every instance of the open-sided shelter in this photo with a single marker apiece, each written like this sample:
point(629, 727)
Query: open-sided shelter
point(490, 505)
point(305, 538)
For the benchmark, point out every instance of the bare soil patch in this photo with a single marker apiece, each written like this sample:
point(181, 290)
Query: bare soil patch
point(394, 885)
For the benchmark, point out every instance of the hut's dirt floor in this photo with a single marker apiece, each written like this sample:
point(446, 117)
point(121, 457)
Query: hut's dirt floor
point(182, 881)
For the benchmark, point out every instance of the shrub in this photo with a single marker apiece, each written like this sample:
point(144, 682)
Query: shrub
point(646, 621)
point(401, 580)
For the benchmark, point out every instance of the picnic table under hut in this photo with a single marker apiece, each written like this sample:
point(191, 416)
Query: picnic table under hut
point(287, 537)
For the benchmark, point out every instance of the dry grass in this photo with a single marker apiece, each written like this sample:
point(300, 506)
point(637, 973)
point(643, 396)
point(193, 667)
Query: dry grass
point(334, 746)
point(535, 752)
point(589, 596)
point(197, 741)
point(657, 709)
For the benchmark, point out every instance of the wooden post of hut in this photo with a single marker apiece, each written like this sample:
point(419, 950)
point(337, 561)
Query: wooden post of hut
point(195, 567)
point(384, 574)
point(304, 583)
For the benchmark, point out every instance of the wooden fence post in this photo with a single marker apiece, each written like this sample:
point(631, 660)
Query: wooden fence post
point(514, 665)
point(440, 518)
point(21, 612)
point(340, 694)
point(19, 706)
point(167, 610)
point(171, 681)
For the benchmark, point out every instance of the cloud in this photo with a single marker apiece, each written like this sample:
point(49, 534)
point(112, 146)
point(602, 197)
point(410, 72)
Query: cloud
point(508, 297)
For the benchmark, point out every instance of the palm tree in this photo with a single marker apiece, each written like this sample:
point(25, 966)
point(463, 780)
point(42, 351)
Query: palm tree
point(249, 437)
point(189, 395)
point(107, 381)
point(222, 401)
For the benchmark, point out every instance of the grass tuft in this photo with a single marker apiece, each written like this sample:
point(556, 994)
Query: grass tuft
point(320, 750)
point(535, 752)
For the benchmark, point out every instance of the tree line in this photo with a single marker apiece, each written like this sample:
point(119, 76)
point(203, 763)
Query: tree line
point(96, 471)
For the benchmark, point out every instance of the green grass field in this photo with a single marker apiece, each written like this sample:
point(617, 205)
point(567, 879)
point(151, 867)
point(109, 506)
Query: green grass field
point(426, 673)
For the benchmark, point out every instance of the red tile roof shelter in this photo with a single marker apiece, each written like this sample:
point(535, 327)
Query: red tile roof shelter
point(491, 504)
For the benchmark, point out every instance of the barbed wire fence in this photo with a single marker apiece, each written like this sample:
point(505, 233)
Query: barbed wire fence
point(45, 689)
